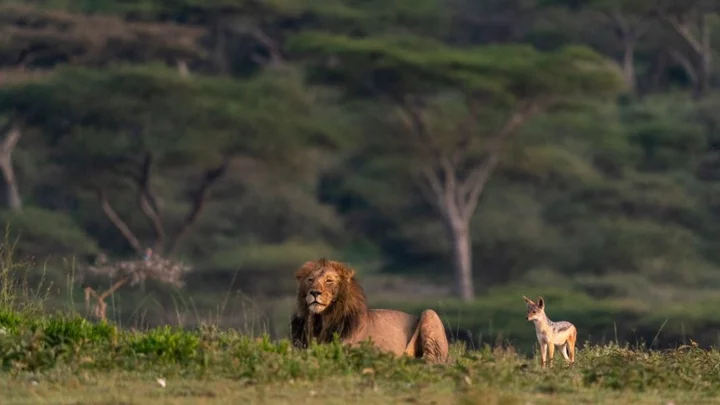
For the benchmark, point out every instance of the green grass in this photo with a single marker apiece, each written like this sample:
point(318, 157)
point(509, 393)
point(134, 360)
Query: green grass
point(63, 359)
point(499, 317)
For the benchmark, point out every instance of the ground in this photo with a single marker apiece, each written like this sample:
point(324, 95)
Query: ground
point(135, 389)
point(61, 359)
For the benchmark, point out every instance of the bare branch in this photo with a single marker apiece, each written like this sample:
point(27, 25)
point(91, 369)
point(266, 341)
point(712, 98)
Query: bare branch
point(427, 190)
point(148, 202)
point(684, 32)
point(686, 64)
point(11, 132)
point(414, 122)
point(436, 191)
point(473, 186)
point(201, 196)
point(453, 205)
point(276, 57)
point(118, 222)
point(619, 19)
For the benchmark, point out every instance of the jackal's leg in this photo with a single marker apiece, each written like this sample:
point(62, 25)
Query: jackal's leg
point(564, 351)
point(551, 352)
point(572, 339)
point(543, 353)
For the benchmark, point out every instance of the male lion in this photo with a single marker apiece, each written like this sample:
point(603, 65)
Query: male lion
point(329, 300)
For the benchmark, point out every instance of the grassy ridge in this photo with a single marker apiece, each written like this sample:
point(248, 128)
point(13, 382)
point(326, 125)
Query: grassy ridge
point(56, 348)
point(499, 317)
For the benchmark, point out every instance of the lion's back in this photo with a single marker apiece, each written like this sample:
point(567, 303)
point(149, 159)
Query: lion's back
point(389, 329)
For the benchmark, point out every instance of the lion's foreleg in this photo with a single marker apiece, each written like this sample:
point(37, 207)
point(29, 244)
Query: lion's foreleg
point(298, 332)
point(433, 341)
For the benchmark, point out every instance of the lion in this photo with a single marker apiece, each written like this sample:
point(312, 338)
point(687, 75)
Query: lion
point(330, 300)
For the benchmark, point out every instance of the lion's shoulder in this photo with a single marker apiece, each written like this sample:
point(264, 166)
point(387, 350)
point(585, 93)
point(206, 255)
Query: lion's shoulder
point(389, 321)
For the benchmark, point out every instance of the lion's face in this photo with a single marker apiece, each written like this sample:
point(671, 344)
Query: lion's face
point(319, 283)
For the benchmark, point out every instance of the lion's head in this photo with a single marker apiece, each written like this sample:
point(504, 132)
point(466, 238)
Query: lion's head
point(329, 300)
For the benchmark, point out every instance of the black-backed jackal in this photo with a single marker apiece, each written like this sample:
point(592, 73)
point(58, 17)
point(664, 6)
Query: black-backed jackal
point(551, 334)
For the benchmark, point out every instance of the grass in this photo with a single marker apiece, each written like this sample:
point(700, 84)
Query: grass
point(499, 317)
point(63, 359)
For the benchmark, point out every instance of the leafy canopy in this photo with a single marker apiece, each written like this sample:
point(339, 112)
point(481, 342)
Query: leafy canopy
point(401, 65)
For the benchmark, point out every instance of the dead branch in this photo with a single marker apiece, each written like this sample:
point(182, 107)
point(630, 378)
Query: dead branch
point(276, 57)
point(684, 31)
point(148, 202)
point(118, 222)
point(132, 272)
point(199, 199)
point(470, 190)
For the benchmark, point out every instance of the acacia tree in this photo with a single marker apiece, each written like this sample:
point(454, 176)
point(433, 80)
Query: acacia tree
point(631, 20)
point(36, 40)
point(114, 132)
point(453, 156)
point(691, 22)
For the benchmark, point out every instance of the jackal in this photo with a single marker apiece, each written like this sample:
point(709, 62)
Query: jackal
point(551, 334)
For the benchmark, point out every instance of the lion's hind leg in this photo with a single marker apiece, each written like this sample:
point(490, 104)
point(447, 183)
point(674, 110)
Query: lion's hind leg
point(432, 339)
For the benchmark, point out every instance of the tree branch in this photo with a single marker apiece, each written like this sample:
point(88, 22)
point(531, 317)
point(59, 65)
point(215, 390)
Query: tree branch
point(276, 57)
point(118, 222)
point(619, 19)
point(435, 193)
point(686, 64)
point(684, 32)
point(148, 202)
point(473, 186)
point(452, 204)
point(199, 199)
point(414, 122)
point(426, 189)
point(11, 133)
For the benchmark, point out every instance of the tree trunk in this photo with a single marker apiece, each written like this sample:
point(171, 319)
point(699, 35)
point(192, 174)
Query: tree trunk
point(703, 72)
point(182, 67)
point(10, 140)
point(462, 261)
point(705, 59)
point(12, 195)
point(629, 63)
point(219, 47)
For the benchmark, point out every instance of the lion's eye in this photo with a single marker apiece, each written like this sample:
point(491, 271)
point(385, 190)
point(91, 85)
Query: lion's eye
point(328, 281)
point(310, 280)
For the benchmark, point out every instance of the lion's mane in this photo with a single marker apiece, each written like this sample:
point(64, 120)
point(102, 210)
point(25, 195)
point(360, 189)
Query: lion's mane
point(344, 316)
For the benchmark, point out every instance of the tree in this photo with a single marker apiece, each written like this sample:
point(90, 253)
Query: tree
point(36, 40)
point(454, 152)
point(151, 119)
point(42, 38)
point(246, 35)
point(691, 21)
point(630, 19)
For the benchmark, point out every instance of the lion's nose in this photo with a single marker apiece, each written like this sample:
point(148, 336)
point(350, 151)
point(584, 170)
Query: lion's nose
point(314, 293)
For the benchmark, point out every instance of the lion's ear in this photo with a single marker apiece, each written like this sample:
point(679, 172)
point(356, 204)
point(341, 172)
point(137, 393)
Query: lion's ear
point(305, 270)
point(349, 273)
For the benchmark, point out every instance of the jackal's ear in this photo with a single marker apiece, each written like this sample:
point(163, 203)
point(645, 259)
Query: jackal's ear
point(528, 300)
point(541, 303)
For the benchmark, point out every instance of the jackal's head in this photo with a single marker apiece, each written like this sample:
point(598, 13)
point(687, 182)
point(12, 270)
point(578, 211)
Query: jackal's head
point(534, 310)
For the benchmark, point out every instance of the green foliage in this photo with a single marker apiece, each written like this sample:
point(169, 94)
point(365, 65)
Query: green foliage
point(401, 65)
point(153, 108)
point(46, 348)
point(39, 229)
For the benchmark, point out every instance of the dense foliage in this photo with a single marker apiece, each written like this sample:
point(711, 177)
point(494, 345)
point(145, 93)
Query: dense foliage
point(472, 144)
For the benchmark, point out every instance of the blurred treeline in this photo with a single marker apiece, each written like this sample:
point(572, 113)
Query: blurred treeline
point(569, 144)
